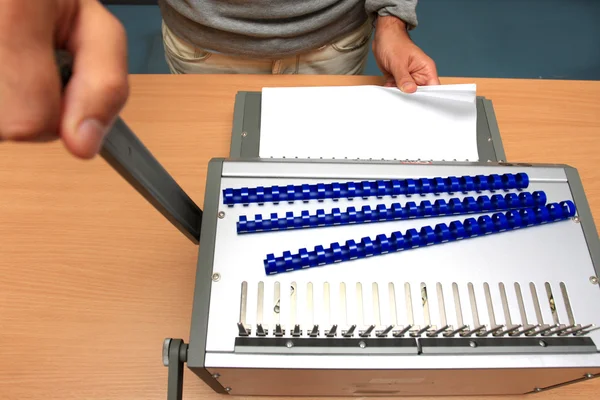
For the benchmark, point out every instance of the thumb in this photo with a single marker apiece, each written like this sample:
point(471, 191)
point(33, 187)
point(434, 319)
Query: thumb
point(404, 80)
point(98, 87)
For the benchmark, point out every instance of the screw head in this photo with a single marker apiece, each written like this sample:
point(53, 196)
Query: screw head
point(362, 344)
point(472, 344)
point(289, 344)
point(216, 276)
point(221, 215)
point(537, 390)
point(228, 389)
point(542, 343)
point(576, 220)
point(594, 280)
point(244, 134)
point(489, 139)
point(216, 376)
point(589, 376)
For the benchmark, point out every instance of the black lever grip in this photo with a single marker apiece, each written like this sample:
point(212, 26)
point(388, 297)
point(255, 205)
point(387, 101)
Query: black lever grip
point(126, 153)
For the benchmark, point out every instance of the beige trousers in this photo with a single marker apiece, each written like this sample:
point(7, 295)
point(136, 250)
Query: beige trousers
point(346, 56)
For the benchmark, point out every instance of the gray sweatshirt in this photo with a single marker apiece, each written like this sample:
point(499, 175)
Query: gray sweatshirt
point(274, 28)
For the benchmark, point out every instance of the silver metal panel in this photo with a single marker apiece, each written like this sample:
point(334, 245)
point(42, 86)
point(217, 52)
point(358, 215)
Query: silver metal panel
point(349, 170)
point(370, 383)
point(551, 253)
point(405, 362)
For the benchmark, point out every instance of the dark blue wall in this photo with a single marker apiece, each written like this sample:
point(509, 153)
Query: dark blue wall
point(475, 38)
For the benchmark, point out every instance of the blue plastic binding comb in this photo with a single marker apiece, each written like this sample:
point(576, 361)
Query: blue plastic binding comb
point(381, 212)
point(380, 188)
point(441, 233)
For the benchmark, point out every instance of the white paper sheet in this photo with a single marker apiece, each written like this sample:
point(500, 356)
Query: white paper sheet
point(370, 122)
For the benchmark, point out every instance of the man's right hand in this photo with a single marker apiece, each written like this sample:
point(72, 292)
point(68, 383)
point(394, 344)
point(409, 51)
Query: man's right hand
point(32, 105)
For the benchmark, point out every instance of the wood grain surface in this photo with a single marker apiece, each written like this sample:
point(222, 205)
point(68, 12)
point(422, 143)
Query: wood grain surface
point(92, 278)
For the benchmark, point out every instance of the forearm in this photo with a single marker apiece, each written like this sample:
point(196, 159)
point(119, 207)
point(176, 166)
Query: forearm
point(403, 11)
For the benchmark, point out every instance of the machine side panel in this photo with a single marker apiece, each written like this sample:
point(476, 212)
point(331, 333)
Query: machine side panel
point(585, 216)
point(198, 333)
point(362, 383)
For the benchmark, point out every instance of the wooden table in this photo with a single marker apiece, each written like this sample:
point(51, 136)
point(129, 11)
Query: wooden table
point(92, 278)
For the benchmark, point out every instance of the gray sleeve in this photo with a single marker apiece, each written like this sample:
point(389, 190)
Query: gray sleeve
point(406, 10)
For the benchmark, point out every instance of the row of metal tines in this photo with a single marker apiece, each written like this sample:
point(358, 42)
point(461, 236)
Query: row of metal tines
point(358, 328)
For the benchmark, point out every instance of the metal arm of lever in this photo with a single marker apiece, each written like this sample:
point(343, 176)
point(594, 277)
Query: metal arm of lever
point(135, 163)
point(174, 355)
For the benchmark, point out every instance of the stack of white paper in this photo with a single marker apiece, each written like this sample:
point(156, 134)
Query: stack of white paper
point(370, 122)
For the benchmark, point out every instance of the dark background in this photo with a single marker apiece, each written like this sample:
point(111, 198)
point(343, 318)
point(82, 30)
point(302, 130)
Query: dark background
point(553, 39)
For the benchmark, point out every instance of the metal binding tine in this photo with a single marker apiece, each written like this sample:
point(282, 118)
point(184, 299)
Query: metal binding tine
point(461, 327)
point(295, 326)
point(379, 329)
point(576, 329)
point(278, 330)
point(409, 312)
point(544, 330)
point(527, 328)
point(444, 327)
point(331, 332)
point(314, 332)
point(363, 330)
point(510, 328)
point(426, 316)
point(260, 329)
point(243, 328)
point(477, 327)
point(494, 327)
point(346, 330)
point(394, 312)
point(560, 328)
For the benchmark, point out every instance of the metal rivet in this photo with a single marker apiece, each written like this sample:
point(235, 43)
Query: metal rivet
point(221, 214)
point(489, 160)
point(537, 390)
point(594, 280)
point(362, 344)
point(542, 343)
point(244, 134)
point(489, 139)
point(216, 376)
point(289, 344)
point(589, 376)
point(472, 344)
point(216, 276)
point(576, 220)
point(228, 389)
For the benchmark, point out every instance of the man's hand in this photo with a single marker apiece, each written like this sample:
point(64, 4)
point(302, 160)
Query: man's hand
point(402, 62)
point(32, 107)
